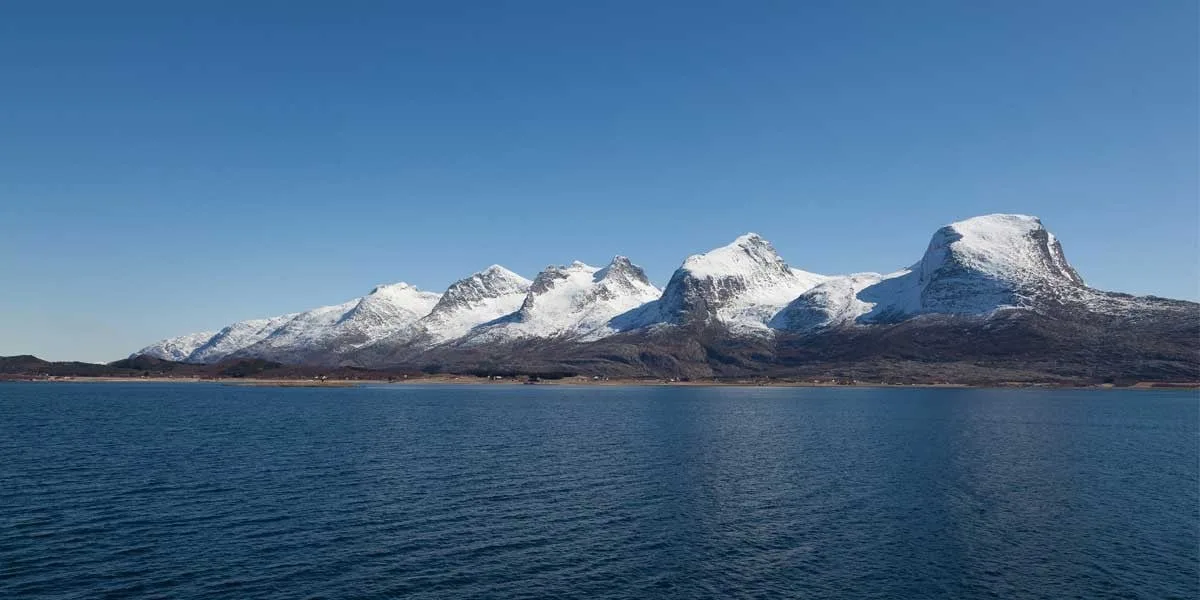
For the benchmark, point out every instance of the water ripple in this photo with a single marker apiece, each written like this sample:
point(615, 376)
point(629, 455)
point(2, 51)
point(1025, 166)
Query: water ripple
point(196, 491)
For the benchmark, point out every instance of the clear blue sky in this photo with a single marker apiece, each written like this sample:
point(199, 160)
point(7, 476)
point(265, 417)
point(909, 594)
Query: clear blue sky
point(168, 167)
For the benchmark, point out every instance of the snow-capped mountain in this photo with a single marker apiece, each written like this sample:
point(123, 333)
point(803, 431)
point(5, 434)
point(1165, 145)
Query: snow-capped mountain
point(298, 335)
point(177, 348)
point(324, 333)
point(469, 302)
point(972, 267)
point(977, 266)
point(574, 301)
point(485, 296)
point(740, 286)
point(988, 272)
point(237, 336)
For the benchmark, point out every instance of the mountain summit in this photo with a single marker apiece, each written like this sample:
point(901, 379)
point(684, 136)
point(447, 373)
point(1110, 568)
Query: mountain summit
point(972, 267)
point(980, 264)
point(573, 301)
point(740, 286)
point(482, 297)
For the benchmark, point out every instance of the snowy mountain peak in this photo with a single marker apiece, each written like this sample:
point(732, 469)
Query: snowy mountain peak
point(749, 239)
point(496, 271)
point(548, 278)
point(556, 276)
point(397, 290)
point(396, 297)
point(387, 305)
point(237, 336)
point(1011, 248)
point(492, 282)
point(176, 348)
point(971, 267)
point(574, 301)
point(741, 285)
point(622, 269)
point(749, 252)
point(497, 275)
point(327, 333)
point(484, 296)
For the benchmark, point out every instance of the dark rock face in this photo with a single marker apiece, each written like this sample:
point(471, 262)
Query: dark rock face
point(1158, 342)
point(951, 283)
point(688, 299)
point(620, 277)
point(622, 269)
point(491, 283)
point(545, 280)
point(709, 282)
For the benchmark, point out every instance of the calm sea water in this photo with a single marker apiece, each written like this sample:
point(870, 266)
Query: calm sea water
point(209, 491)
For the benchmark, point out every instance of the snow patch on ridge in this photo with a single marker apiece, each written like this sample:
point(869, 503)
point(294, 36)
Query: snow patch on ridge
point(834, 301)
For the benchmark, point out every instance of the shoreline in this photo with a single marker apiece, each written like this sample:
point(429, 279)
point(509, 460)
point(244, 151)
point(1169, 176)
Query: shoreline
point(578, 381)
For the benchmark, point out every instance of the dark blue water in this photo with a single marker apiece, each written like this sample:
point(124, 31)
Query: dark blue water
point(208, 491)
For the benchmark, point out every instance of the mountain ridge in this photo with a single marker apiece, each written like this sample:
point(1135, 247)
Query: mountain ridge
point(744, 298)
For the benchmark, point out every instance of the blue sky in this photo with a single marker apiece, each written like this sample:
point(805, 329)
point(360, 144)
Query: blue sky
point(168, 167)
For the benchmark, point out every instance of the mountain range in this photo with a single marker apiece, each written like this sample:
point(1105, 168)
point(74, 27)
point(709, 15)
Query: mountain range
point(992, 298)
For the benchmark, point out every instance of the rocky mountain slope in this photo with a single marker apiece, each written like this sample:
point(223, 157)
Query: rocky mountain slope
point(577, 301)
point(741, 287)
point(481, 298)
point(991, 294)
point(229, 340)
point(972, 267)
point(325, 334)
point(181, 348)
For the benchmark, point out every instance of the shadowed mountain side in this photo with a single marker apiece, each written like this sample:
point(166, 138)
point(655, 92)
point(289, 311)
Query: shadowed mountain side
point(1157, 343)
